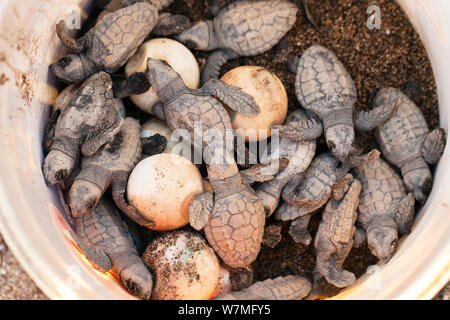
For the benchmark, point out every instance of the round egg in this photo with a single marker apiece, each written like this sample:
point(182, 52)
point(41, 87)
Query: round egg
point(175, 54)
point(268, 92)
point(224, 284)
point(161, 187)
point(184, 266)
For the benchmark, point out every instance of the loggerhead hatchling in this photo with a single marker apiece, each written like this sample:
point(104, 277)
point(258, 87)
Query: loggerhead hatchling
point(107, 46)
point(87, 123)
point(243, 28)
point(334, 238)
point(111, 165)
point(310, 190)
point(167, 24)
point(104, 238)
point(405, 139)
point(298, 145)
point(122, 87)
point(324, 86)
point(233, 218)
point(384, 209)
point(281, 288)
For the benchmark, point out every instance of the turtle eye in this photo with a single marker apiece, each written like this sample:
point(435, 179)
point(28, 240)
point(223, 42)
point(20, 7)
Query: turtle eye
point(331, 145)
point(64, 62)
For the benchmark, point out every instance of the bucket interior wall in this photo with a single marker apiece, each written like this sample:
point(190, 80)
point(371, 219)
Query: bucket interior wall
point(33, 218)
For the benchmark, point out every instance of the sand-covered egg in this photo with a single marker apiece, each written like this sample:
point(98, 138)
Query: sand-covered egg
point(269, 93)
point(184, 266)
point(175, 54)
point(161, 187)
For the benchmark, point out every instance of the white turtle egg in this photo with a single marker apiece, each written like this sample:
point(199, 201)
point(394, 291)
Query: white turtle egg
point(184, 266)
point(161, 188)
point(175, 54)
point(269, 93)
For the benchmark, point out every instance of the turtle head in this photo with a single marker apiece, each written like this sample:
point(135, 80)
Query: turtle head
point(69, 68)
point(382, 241)
point(419, 182)
point(162, 76)
point(137, 278)
point(340, 140)
point(83, 196)
point(57, 167)
point(201, 36)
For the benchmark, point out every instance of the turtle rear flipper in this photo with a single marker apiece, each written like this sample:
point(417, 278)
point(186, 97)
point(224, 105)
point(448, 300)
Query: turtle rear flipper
point(404, 217)
point(369, 120)
point(200, 210)
point(300, 130)
point(96, 256)
point(433, 146)
point(233, 97)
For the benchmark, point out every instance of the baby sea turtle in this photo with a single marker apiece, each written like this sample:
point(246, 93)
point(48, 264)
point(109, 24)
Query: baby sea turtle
point(86, 124)
point(324, 86)
point(298, 146)
point(384, 207)
point(167, 24)
point(281, 288)
point(122, 87)
point(107, 46)
point(243, 28)
point(405, 140)
point(310, 190)
point(334, 239)
point(111, 165)
point(104, 237)
point(233, 218)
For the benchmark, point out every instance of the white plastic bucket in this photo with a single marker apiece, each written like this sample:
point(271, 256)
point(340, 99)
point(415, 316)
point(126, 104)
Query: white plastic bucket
point(31, 214)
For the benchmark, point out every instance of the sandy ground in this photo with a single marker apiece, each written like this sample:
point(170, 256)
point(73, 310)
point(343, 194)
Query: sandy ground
point(15, 284)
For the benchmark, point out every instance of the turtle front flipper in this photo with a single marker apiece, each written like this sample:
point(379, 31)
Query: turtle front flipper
point(341, 187)
point(369, 120)
point(300, 130)
point(433, 146)
point(214, 64)
point(123, 87)
point(119, 186)
point(299, 230)
point(49, 131)
point(335, 275)
point(290, 197)
point(75, 46)
point(171, 24)
point(359, 238)
point(96, 256)
point(263, 172)
point(200, 210)
point(404, 217)
point(133, 274)
point(102, 136)
point(233, 97)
